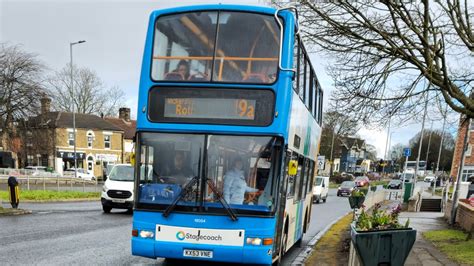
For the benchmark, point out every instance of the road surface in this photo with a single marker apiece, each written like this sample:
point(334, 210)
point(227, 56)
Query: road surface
point(79, 233)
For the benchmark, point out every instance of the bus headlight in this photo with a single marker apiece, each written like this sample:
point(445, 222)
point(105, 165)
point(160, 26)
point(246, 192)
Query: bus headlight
point(255, 241)
point(146, 234)
point(104, 188)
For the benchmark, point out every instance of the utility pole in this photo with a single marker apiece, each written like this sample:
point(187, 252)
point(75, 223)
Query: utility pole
point(73, 106)
point(442, 139)
point(428, 149)
point(421, 142)
point(332, 148)
point(461, 166)
point(386, 143)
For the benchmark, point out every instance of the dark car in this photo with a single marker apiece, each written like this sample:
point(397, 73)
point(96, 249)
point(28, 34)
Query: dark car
point(362, 181)
point(346, 188)
point(395, 184)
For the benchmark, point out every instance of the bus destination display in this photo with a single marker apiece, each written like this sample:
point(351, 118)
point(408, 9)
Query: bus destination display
point(210, 108)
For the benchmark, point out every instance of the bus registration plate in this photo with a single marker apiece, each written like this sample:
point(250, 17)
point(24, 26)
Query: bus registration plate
point(197, 253)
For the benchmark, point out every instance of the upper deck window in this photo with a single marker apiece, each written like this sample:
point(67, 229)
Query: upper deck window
point(234, 47)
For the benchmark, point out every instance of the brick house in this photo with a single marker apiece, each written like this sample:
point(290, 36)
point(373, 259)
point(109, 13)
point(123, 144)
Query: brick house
point(129, 127)
point(468, 169)
point(48, 140)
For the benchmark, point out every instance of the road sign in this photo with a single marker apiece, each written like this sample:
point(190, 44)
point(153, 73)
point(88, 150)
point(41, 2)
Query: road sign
point(321, 164)
point(407, 152)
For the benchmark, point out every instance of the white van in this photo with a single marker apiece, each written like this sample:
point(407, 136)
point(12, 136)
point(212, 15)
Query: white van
point(117, 191)
point(320, 188)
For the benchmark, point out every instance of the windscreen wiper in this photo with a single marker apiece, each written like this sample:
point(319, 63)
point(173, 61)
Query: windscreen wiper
point(186, 190)
point(221, 199)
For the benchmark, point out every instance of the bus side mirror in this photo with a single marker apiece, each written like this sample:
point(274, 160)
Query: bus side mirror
point(292, 167)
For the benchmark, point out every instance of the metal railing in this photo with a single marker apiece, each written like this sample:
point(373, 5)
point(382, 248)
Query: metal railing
point(58, 183)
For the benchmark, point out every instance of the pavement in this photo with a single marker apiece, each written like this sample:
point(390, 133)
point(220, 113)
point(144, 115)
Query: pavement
point(423, 252)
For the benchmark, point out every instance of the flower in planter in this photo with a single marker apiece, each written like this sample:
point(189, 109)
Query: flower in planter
point(379, 219)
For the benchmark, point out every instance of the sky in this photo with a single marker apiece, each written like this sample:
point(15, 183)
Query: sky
point(115, 36)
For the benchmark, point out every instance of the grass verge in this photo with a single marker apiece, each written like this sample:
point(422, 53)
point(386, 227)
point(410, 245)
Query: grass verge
point(453, 243)
point(333, 247)
point(376, 183)
point(49, 195)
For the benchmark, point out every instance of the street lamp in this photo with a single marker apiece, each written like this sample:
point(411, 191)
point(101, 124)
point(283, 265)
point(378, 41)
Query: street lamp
point(73, 107)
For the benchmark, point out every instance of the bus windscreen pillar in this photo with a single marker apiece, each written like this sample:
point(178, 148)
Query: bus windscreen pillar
point(14, 191)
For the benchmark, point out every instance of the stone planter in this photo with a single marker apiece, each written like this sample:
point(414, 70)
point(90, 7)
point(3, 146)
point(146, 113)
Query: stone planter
point(384, 247)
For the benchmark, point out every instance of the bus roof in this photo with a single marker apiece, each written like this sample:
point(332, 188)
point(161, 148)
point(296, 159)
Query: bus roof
point(257, 9)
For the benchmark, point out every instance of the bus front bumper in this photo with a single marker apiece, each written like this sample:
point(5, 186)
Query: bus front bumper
point(243, 254)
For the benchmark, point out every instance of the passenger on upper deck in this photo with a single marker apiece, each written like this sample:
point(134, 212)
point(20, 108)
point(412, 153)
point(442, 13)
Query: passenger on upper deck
point(183, 69)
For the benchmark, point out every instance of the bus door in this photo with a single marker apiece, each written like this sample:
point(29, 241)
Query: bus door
point(282, 193)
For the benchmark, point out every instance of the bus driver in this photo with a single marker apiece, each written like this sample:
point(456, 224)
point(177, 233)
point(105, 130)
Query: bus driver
point(235, 185)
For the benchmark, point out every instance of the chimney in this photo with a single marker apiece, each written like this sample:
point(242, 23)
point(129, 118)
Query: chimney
point(124, 113)
point(45, 105)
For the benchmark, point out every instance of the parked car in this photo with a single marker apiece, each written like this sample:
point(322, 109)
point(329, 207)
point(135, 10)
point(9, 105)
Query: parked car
point(81, 173)
point(321, 188)
point(41, 171)
point(395, 184)
point(117, 191)
point(347, 175)
point(346, 188)
point(430, 178)
point(362, 181)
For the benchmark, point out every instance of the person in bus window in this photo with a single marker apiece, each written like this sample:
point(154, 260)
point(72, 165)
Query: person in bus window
point(180, 171)
point(235, 185)
point(183, 69)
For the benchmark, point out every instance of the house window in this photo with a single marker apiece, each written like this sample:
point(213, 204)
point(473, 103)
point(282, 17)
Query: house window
point(468, 151)
point(71, 138)
point(29, 138)
point(29, 160)
point(107, 141)
point(352, 154)
point(466, 173)
point(90, 139)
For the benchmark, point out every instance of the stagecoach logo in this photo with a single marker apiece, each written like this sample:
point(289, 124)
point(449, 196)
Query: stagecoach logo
point(180, 235)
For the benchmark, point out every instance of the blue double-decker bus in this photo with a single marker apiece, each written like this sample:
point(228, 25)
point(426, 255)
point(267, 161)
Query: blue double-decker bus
point(228, 130)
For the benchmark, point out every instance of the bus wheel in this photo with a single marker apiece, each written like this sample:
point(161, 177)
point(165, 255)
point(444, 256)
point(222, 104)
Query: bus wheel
point(324, 200)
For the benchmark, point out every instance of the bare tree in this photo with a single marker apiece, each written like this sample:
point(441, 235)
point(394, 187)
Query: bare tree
point(389, 54)
point(89, 94)
point(20, 88)
point(335, 126)
point(371, 152)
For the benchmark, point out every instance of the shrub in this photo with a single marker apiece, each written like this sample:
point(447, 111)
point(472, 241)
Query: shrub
point(338, 178)
point(379, 220)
